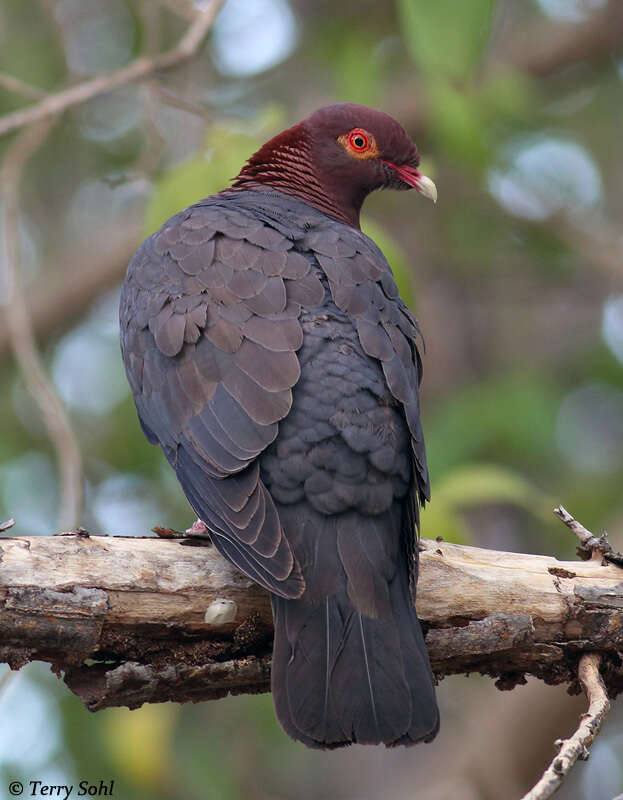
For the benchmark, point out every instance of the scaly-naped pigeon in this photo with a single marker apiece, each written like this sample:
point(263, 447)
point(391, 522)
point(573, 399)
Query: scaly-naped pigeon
point(273, 360)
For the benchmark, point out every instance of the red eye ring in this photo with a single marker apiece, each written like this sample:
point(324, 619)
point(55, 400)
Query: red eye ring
point(358, 140)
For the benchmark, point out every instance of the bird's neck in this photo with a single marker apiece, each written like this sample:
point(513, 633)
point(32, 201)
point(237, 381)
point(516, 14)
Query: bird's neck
point(287, 163)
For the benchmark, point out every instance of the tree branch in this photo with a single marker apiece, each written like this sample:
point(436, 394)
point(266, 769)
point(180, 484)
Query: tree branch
point(16, 86)
point(131, 620)
point(590, 545)
point(137, 70)
point(577, 746)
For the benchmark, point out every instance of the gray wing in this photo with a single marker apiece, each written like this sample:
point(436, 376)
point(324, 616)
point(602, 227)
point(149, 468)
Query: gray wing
point(209, 333)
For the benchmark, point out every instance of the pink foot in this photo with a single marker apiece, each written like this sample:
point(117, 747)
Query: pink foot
point(198, 528)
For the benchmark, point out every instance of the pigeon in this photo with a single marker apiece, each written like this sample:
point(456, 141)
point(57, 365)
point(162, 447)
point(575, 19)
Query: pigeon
point(272, 359)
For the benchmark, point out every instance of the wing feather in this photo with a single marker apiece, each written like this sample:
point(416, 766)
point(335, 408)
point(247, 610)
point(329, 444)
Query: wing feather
point(209, 340)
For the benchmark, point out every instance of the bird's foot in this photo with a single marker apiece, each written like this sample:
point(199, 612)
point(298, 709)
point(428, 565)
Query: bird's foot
point(198, 534)
point(196, 531)
point(198, 528)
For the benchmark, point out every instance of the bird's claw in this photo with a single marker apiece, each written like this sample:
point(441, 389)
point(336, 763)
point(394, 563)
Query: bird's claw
point(198, 528)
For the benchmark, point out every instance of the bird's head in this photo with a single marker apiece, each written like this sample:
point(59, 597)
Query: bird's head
point(336, 157)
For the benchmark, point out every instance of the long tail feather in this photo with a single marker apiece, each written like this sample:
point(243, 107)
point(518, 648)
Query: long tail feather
point(342, 676)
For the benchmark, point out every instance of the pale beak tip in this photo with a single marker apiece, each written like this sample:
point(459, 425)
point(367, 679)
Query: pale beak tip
point(427, 188)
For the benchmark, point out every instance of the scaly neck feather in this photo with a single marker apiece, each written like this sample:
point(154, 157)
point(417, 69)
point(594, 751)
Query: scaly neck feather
point(286, 163)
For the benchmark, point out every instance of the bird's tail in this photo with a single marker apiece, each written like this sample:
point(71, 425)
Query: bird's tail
point(340, 676)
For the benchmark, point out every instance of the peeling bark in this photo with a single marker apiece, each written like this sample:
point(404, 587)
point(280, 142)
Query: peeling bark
point(128, 621)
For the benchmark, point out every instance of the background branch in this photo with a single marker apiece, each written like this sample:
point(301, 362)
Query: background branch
point(137, 70)
point(543, 51)
point(17, 86)
point(56, 301)
point(20, 333)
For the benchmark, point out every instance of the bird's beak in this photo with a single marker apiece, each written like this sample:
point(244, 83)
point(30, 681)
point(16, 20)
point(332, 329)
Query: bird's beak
point(426, 187)
point(413, 177)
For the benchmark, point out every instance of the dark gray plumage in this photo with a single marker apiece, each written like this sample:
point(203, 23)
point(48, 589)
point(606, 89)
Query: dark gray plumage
point(272, 358)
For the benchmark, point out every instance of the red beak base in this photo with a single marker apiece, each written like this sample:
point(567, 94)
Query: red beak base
point(413, 177)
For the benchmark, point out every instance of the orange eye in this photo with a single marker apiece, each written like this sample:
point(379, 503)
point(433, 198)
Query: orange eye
point(359, 143)
point(358, 140)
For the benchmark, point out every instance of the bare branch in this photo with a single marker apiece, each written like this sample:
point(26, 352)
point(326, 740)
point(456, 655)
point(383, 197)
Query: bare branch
point(182, 8)
point(590, 545)
point(17, 86)
point(149, 613)
point(167, 96)
point(577, 746)
point(597, 240)
point(139, 69)
point(20, 330)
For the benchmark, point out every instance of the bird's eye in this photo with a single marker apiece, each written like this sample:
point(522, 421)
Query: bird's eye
point(358, 140)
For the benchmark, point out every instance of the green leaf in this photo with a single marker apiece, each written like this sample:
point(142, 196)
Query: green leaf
point(485, 484)
point(446, 37)
point(507, 94)
point(510, 417)
point(357, 79)
point(138, 741)
point(459, 123)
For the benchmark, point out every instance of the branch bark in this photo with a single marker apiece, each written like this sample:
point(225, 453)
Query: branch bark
point(590, 545)
point(129, 621)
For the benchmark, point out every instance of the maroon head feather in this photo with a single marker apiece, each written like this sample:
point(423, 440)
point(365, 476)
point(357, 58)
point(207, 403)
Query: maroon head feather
point(335, 158)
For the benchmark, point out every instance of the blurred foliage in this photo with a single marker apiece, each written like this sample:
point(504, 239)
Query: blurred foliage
point(509, 275)
point(444, 50)
point(476, 485)
point(226, 149)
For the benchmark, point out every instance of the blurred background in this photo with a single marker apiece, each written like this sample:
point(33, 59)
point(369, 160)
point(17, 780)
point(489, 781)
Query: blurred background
point(516, 276)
